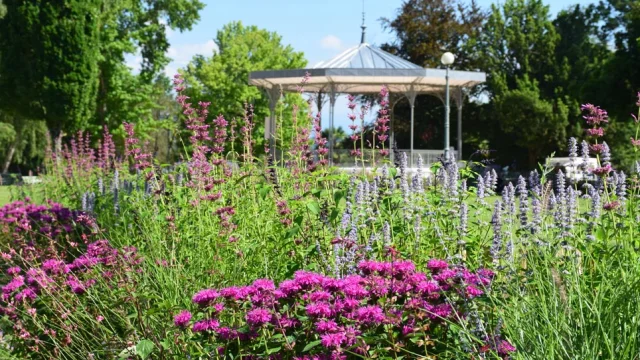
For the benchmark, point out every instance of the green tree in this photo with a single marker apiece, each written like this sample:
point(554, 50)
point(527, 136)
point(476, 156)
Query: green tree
point(518, 43)
point(339, 136)
point(136, 27)
point(620, 76)
point(582, 52)
point(223, 77)
point(22, 142)
point(49, 62)
point(425, 29)
point(64, 61)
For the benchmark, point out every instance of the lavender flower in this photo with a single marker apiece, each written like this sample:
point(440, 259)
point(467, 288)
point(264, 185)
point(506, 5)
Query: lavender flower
point(481, 188)
point(496, 222)
point(441, 177)
point(404, 184)
point(584, 149)
point(416, 184)
point(386, 234)
point(84, 201)
point(534, 182)
point(453, 176)
point(524, 201)
point(571, 209)
point(621, 186)
point(115, 185)
point(594, 214)
point(560, 185)
point(573, 150)
point(494, 180)
point(536, 213)
point(605, 155)
point(508, 198)
point(464, 215)
point(116, 201)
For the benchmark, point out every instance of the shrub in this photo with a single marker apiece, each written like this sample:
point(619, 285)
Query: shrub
point(388, 310)
point(52, 297)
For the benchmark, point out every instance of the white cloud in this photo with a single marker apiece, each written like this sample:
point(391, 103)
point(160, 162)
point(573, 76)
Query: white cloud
point(331, 42)
point(181, 54)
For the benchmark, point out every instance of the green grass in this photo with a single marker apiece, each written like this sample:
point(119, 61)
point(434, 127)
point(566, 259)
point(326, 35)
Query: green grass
point(11, 193)
point(5, 195)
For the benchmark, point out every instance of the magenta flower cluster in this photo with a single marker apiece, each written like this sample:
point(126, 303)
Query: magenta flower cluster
point(34, 233)
point(315, 316)
point(141, 159)
point(596, 117)
point(381, 125)
point(39, 276)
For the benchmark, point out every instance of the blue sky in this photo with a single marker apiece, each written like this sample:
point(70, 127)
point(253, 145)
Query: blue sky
point(320, 29)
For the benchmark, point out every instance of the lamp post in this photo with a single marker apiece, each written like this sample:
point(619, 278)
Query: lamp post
point(446, 60)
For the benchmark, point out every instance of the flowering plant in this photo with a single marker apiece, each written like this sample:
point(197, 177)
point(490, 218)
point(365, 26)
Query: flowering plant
point(31, 233)
point(389, 308)
point(48, 295)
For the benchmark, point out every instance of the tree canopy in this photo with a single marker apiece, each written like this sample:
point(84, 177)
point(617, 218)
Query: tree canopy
point(51, 73)
point(222, 77)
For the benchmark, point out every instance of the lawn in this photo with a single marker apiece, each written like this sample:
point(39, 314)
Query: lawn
point(11, 192)
point(5, 194)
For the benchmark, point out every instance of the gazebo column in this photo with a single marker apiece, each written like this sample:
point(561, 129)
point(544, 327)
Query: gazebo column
point(332, 106)
point(411, 96)
point(460, 103)
point(270, 127)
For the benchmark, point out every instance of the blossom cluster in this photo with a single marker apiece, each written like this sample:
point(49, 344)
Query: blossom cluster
point(36, 232)
point(46, 272)
point(316, 316)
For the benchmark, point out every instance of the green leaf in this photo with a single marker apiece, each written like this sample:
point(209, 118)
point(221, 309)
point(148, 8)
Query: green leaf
point(334, 215)
point(264, 191)
point(393, 172)
point(144, 348)
point(314, 207)
point(274, 350)
point(311, 345)
point(128, 352)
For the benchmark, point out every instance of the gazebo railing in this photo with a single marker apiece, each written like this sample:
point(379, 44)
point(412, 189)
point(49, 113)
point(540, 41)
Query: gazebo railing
point(429, 156)
point(343, 157)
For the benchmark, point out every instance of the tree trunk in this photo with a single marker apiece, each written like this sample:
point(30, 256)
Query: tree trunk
point(7, 160)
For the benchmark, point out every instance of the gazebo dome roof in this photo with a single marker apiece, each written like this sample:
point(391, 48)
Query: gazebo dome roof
point(365, 56)
point(364, 69)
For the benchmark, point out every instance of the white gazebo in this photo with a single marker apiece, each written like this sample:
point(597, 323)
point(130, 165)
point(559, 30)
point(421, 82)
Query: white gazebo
point(364, 69)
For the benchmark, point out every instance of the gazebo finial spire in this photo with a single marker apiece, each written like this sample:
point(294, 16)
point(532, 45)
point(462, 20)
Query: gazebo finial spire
point(363, 26)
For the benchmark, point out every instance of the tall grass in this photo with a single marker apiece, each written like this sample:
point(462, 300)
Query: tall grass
point(565, 256)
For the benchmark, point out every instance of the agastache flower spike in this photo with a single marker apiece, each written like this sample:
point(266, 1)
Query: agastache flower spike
point(534, 183)
point(536, 213)
point(524, 201)
point(573, 150)
point(584, 149)
point(605, 155)
point(480, 186)
point(464, 214)
point(496, 222)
